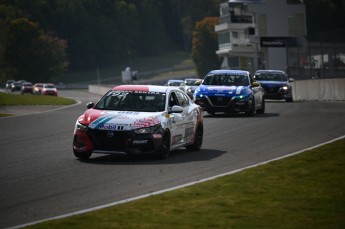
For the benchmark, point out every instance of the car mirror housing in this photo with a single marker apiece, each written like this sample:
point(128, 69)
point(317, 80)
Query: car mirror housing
point(291, 79)
point(89, 105)
point(197, 83)
point(255, 84)
point(176, 109)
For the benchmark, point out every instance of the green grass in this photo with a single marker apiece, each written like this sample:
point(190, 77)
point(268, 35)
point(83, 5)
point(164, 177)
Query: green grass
point(303, 191)
point(14, 99)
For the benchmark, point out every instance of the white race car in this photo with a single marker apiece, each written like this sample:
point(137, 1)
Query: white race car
point(139, 119)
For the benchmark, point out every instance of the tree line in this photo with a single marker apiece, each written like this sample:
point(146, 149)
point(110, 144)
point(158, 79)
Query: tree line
point(83, 34)
point(40, 39)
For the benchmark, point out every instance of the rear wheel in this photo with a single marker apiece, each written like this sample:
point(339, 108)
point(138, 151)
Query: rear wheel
point(164, 149)
point(196, 146)
point(211, 112)
point(289, 100)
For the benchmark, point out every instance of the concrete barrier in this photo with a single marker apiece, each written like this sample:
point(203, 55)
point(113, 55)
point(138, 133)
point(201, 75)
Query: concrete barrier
point(319, 90)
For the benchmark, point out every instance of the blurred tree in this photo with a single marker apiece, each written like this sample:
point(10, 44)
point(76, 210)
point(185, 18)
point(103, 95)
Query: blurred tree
point(30, 54)
point(205, 45)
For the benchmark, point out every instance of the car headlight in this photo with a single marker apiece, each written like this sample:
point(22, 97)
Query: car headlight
point(147, 130)
point(189, 90)
point(242, 97)
point(81, 127)
point(285, 87)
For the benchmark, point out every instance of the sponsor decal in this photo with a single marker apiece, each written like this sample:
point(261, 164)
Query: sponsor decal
point(103, 123)
point(140, 142)
point(145, 122)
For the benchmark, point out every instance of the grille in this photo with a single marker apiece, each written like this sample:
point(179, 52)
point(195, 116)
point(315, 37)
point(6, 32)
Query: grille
point(102, 139)
point(219, 100)
point(271, 90)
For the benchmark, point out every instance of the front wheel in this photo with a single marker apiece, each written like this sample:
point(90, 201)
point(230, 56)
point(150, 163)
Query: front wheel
point(163, 150)
point(251, 107)
point(82, 155)
point(262, 109)
point(196, 146)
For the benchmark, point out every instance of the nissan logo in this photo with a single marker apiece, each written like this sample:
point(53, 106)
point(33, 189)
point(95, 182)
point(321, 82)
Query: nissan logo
point(110, 134)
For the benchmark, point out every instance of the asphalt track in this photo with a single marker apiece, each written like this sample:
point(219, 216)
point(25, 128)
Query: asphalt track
point(40, 177)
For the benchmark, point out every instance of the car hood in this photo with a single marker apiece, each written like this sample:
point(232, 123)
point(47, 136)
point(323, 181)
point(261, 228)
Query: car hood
point(272, 83)
point(228, 91)
point(119, 120)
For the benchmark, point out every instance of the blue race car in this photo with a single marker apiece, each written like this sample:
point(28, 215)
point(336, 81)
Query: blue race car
point(275, 83)
point(230, 91)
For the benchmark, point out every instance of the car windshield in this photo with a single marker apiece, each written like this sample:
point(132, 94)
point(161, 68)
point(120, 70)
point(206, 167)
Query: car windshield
point(190, 82)
point(271, 76)
point(226, 80)
point(132, 101)
point(49, 86)
point(174, 83)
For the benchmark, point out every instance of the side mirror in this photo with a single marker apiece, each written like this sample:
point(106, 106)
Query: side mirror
point(197, 83)
point(89, 105)
point(176, 109)
point(256, 84)
point(291, 79)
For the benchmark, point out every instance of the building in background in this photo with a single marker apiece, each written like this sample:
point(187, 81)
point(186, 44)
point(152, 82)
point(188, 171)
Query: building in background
point(256, 34)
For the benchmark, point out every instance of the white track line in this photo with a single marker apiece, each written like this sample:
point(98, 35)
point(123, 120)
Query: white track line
point(176, 187)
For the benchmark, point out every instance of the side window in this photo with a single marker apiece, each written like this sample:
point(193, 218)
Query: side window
point(173, 100)
point(183, 101)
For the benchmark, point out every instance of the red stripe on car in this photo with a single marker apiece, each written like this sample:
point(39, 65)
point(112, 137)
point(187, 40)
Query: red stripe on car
point(131, 88)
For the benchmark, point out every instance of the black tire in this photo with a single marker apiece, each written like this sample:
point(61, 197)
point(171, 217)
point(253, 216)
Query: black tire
point(211, 112)
point(263, 107)
point(289, 100)
point(164, 149)
point(82, 155)
point(196, 146)
point(251, 108)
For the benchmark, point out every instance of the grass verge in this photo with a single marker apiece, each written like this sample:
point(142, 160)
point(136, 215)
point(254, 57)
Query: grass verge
point(303, 191)
point(14, 99)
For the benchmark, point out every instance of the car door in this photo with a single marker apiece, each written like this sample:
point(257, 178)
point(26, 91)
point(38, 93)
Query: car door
point(187, 122)
point(257, 91)
point(176, 120)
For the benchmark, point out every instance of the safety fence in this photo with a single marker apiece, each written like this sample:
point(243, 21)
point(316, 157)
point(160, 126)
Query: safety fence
point(318, 56)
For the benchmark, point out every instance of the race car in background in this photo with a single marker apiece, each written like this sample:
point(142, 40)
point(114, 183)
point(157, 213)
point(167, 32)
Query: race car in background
point(230, 91)
point(139, 119)
point(276, 84)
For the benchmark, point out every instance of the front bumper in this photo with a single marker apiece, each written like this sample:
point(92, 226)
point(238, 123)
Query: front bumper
point(277, 93)
point(223, 104)
point(116, 142)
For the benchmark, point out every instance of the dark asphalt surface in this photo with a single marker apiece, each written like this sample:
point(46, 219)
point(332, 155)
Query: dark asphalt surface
point(40, 177)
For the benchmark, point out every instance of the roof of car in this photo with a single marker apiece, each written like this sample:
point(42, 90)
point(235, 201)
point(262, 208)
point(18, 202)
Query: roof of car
point(192, 79)
point(228, 72)
point(175, 81)
point(142, 88)
point(268, 70)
